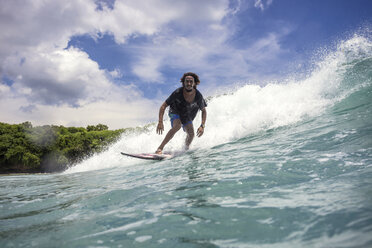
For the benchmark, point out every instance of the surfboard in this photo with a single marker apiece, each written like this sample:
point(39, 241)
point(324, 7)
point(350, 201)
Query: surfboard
point(149, 156)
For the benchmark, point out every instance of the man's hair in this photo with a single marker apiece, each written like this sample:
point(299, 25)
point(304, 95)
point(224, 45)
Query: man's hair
point(196, 77)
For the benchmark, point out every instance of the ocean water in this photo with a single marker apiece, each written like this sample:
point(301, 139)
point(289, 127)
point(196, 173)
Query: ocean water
point(288, 164)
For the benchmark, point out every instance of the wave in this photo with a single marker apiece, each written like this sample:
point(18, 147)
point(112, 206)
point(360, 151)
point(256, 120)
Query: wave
point(340, 81)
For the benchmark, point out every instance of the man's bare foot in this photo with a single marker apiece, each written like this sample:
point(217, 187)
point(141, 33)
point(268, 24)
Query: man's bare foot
point(159, 151)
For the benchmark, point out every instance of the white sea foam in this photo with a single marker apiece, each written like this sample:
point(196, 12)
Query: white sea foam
point(144, 238)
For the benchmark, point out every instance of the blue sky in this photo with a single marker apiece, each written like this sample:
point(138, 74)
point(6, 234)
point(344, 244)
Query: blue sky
point(114, 62)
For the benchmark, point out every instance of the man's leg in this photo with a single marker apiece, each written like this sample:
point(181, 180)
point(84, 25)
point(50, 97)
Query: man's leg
point(176, 126)
point(189, 128)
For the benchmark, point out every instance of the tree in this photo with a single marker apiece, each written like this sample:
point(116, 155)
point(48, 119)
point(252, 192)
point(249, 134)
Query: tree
point(99, 127)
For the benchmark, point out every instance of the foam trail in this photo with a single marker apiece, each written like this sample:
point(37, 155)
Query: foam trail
point(250, 109)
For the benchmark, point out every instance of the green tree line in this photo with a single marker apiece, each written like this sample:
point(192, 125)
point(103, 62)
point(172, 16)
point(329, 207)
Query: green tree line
point(50, 148)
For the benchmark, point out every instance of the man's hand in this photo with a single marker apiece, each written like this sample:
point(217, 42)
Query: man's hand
point(200, 131)
point(160, 128)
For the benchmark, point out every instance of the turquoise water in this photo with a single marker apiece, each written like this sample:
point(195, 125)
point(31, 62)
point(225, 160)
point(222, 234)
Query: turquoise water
point(293, 169)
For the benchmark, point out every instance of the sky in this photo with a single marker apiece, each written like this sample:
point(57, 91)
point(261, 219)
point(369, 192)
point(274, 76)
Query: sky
point(85, 62)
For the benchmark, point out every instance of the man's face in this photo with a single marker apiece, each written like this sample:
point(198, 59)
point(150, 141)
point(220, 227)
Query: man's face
point(189, 83)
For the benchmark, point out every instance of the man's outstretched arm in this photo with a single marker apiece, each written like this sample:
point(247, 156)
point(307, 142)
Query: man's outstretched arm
point(202, 126)
point(160, 127)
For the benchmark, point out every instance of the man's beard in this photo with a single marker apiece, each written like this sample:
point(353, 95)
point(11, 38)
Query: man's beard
point(184, 86)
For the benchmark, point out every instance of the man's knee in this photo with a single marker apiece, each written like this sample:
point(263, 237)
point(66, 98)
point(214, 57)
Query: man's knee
point(190, 135)
point(176, 125)
point(189, 130)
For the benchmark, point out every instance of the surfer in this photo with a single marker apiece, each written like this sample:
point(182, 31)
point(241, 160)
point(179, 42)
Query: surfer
point(184, 104)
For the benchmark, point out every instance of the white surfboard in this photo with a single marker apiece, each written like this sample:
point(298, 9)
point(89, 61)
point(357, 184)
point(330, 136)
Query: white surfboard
point(149, 156)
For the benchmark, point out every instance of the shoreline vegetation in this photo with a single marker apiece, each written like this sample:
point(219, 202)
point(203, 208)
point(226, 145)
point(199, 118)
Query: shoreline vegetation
point(51, 148)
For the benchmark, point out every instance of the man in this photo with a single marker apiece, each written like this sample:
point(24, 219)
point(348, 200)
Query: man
point(184, 104)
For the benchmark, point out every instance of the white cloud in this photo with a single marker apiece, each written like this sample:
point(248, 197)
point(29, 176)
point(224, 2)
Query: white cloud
point(116, 73)
point(264, 48)
point(56, 77)
point(52, 84)
point(202, 44)
point(133, 17)
point(116, 113)
point(260, 4)
point(70, 90)
point(26, 24)
point(208, 53)
point(148, 69)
